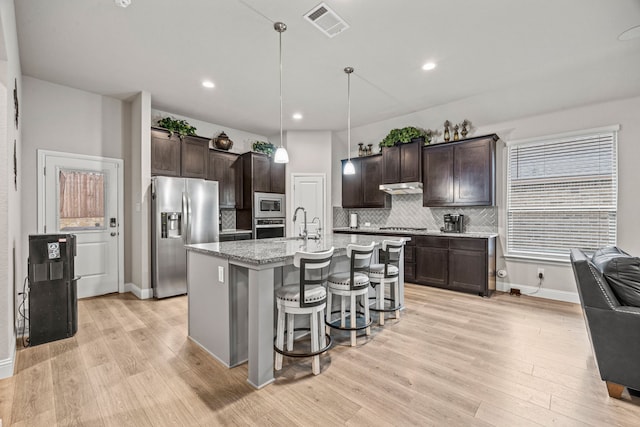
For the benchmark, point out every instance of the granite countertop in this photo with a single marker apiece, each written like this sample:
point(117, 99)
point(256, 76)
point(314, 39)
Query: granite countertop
point(281, 249)
point(228, 231)
point(376, 230)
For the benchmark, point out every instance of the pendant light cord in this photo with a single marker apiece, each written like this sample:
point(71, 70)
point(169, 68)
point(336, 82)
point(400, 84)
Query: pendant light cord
point(281, 141)
point(349, 70)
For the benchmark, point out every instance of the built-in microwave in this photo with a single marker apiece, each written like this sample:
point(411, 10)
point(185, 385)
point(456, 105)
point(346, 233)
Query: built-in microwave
point(268, 205)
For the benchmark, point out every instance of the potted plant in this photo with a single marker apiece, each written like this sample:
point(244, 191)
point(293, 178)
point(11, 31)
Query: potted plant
point(403, 136)
point(263, 147)
point(181, 127)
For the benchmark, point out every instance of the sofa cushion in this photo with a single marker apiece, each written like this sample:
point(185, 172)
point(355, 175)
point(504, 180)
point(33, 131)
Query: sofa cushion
point(622, 273)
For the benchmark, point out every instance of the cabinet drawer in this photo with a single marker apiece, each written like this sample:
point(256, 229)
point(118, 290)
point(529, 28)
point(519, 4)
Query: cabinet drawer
point(468, 244)
point(432, 241)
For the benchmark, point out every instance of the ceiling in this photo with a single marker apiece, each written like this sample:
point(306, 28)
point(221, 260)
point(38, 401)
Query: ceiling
point(527, 57)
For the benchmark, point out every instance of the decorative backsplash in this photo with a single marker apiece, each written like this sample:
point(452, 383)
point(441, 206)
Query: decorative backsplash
point(407, 211)
point(228, 218)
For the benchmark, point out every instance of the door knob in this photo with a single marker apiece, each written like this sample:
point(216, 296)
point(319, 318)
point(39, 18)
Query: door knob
point(113, 234)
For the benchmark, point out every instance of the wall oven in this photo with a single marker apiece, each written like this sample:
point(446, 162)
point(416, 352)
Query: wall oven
point(268, 228)
point(268, 205)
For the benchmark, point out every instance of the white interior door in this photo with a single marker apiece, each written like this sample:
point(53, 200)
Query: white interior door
point(309, 192)
point(80, 196)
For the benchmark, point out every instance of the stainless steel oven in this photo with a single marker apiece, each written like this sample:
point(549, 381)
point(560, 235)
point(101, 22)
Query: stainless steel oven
point(268, 228)
point(268, 205)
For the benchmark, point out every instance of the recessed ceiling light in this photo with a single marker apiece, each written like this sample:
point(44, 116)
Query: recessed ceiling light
point(631, 33)
point(208, 84)
point(123, 3)
point(297, 116)
point(429, 66)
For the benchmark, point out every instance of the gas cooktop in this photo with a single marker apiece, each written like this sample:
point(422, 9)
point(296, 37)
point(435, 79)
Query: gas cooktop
point(403, 229)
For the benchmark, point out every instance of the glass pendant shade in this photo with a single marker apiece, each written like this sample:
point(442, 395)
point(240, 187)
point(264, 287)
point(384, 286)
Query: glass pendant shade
point(349, 169)
point(282, 156)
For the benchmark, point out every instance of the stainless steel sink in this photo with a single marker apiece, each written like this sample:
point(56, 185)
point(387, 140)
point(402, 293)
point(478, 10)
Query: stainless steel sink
point(290, 239)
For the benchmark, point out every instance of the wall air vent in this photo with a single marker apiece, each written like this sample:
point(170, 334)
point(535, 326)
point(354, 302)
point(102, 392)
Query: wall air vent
point(326, 20)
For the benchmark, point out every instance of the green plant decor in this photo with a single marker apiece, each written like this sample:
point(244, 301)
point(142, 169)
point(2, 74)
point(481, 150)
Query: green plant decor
point(263, 147)
point(404, 136)
point(181, 127)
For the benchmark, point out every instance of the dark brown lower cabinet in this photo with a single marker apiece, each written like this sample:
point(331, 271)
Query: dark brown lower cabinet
point(457, 263)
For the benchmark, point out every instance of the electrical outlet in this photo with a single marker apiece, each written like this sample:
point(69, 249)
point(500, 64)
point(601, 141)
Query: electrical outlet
point(221, 274)
point(540, 273)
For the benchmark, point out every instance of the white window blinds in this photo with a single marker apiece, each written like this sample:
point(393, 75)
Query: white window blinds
point(562, 194)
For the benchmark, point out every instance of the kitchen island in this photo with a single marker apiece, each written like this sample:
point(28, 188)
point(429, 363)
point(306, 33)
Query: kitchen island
point(231, 294)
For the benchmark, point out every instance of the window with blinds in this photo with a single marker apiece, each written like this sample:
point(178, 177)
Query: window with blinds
point(562, 194)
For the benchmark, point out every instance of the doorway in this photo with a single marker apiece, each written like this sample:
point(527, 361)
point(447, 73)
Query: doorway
point(83, 195)
point(309, 191)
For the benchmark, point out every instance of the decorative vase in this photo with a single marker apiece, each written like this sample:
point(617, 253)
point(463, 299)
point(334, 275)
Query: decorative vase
point(223, 142)
point(456, 135)
point(447, 135)
point(369, 149)
point(360, 149)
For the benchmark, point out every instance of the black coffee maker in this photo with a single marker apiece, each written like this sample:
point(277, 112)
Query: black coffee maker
point(453, 223)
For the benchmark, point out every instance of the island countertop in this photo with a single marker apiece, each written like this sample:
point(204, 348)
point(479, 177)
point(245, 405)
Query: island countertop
point(281, 249)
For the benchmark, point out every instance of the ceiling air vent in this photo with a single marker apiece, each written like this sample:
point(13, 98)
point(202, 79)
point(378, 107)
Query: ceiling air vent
point(326, 20)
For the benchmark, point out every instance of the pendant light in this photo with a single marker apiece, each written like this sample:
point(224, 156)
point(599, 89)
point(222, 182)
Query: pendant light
point(349, 169)
point(281, 155)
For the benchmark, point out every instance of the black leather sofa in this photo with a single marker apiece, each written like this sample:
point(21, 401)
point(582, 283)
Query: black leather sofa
point(614, 328)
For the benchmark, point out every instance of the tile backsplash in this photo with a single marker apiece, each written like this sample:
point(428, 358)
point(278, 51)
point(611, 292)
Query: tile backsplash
point(228, 218)
point(407, 211)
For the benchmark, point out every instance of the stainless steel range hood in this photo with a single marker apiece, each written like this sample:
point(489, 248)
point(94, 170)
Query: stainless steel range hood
point(402, 188)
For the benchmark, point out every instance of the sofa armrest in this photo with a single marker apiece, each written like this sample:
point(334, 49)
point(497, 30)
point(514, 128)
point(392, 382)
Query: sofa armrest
point(615, 336)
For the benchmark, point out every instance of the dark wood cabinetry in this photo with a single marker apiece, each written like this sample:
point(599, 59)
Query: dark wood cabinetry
point(226, 168)
point(194, 157)
point(402, 163)
point(460, 173)
point(165, 153)
point(261, 174)
point(458, 263)
point(361, 190)
point(234, 237)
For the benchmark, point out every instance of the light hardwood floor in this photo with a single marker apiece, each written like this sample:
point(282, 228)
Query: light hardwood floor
point(452, 359)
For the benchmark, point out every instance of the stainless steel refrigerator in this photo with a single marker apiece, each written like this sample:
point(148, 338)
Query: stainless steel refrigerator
point(183, 211)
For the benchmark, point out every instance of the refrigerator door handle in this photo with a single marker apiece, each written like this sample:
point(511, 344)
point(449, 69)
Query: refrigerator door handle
point(185, 219)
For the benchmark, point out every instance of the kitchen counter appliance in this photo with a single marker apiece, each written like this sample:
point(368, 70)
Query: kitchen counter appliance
point(183, 211)
point(453, 223)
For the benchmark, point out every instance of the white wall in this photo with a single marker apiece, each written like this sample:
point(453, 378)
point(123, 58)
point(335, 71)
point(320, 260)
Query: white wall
point(10, 210)
point(309, 152)
point(61, 118)
point(559, 282)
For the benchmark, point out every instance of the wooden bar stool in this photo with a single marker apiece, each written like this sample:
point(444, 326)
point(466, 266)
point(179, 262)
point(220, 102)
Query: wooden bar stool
point(349, 286)
point(387, 273)
point(308, 297)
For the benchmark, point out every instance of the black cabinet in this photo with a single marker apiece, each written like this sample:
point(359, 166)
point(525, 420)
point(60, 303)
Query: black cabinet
point(457, 263)
point(235, 237)
point(165, 153)
point(226, 168)
point(460, 173)
point(402, 163)
point(361, 190)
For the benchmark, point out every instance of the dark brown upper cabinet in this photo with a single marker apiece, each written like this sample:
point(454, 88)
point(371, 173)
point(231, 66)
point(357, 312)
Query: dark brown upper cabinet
point(362, 189)
point(195, 157)
point(261, 174)
point(402, 163)
point(460, 173)
point(226, 168)
point(165, 153)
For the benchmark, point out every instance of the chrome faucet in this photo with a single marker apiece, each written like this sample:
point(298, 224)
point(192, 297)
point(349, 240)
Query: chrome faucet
point(319, 225)
point(305, 233)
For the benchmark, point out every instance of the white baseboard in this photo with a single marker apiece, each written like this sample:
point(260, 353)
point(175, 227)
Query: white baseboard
point(7, 365)
point(542, 293)
point(140, 293)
